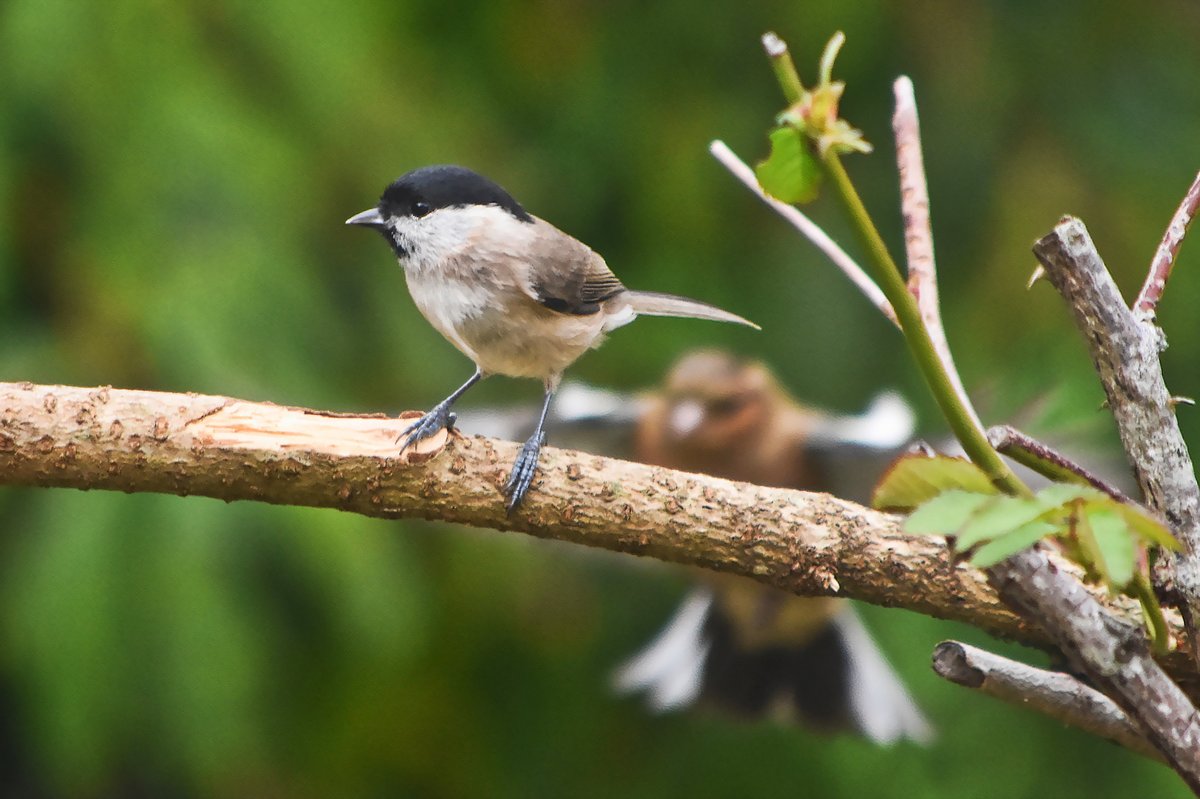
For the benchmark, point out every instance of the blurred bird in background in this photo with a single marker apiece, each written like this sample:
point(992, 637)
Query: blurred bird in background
point(741, 646)
point(734, 644)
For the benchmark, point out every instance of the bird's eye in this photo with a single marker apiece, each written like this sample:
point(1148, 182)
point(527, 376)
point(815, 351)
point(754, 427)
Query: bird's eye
point(420, 208)
point(725, 405)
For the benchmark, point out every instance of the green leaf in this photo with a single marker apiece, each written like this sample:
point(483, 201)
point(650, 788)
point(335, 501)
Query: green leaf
point(791, 173)
point(946, 513)
point(915, 479)
point(1115, 545)
point(1011, 543)
point(1003, 515)
point(1058, 494)
point(1148, 528)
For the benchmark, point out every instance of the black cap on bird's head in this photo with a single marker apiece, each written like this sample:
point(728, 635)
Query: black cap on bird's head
point(430, 188)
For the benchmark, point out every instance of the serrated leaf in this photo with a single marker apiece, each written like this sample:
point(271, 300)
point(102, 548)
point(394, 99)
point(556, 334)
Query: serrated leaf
point(1003, 515)
point(915, 479)
point(1011, 543)
point(791, 172)
point(946, 513)
point(1115, 544)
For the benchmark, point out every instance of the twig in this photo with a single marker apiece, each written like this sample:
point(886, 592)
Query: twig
point(1125, 352)
point(1058, 695)
point(807, 228)
point(1164, 257)
point(918, 235)
point(1047, 461)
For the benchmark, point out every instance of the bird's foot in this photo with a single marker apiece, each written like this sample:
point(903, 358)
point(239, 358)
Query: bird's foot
point(428, 425)
point(523, 470)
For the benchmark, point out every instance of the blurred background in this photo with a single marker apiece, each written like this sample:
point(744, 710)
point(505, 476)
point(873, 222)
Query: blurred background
point(173, 181)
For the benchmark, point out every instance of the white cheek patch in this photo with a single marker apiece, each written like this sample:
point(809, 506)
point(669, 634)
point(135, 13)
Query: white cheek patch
point(685, 417)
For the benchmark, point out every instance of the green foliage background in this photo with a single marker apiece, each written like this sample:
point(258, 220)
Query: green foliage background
point(173, 180)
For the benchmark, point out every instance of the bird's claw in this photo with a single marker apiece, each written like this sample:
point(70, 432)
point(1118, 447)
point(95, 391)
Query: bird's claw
point(523, 471)
point(428, 425)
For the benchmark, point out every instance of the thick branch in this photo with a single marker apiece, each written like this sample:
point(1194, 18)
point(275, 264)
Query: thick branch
point(1052, 693)
point(1112, 652)
point(1125, 352)
point(231, 449)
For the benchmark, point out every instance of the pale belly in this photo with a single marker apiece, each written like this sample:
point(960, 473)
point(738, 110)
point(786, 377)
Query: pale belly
point(523, 340)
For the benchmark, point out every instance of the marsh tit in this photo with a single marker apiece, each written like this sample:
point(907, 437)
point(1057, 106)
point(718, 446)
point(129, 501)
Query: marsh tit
point(512, 292)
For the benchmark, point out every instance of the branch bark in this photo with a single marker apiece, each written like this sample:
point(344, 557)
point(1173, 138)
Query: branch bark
point(1125, 352)
point(228, 449)
point(1057, 695)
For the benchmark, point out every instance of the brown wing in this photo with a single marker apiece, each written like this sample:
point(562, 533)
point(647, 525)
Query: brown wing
point(567, 276)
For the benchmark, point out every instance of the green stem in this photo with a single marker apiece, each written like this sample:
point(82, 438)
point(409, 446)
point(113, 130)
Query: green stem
point(1161, 636)
point(887, 274)
point(785, 68)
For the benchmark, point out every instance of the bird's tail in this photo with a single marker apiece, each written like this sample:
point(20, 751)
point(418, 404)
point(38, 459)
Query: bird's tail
point(652, 303)
point(832, 676)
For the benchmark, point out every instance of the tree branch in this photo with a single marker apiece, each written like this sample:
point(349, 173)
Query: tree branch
point(187, 444)
point(1055, 694)
point(1125, 352)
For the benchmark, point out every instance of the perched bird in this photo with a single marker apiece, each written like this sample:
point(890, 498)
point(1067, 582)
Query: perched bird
point(512, 292)
point(737, 644)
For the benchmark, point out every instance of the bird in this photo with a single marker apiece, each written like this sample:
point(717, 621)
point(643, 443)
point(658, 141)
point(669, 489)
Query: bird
point(735, 644)
point(513, 293)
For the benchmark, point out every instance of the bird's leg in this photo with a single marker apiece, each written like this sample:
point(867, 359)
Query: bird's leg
point(527, 460)
point(438, 417)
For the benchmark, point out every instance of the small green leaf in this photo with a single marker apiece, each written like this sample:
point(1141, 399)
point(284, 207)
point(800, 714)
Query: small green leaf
point(1004, 515)
point(1115, 544)
point(1148, 528)
point(946, 513)
point(1058, 494)
point(915, 479)
point(1009, 544)
point(791, 173)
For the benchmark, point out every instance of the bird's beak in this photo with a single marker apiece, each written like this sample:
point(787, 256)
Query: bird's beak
point(368, 218)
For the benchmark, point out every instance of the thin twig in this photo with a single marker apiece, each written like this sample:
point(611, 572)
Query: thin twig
point(918, 234)
point(807, 228)
point(1057, 695)
point(1164, 257)
point(1047, 461)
